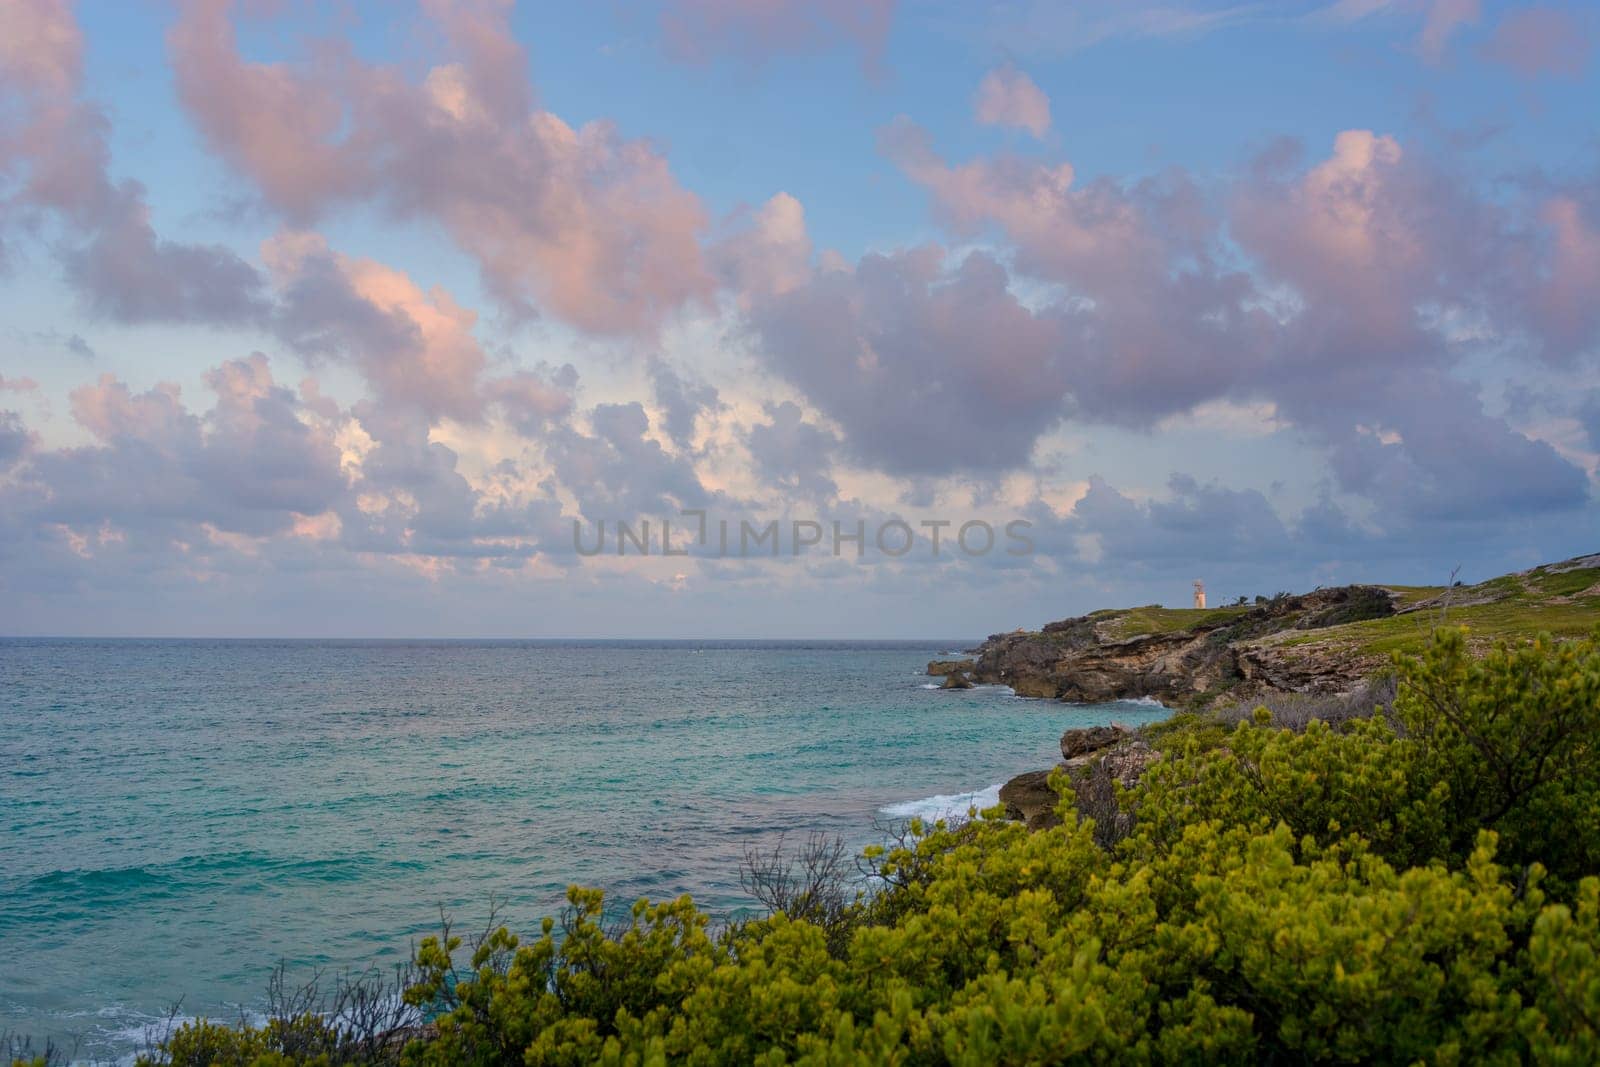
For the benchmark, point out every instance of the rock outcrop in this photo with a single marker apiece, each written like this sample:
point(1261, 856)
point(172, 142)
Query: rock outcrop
point(956, 680)
point(1186, 658)
point(949, 666)
point(1028, 798)
point(1075, 743)
point(1092, 759)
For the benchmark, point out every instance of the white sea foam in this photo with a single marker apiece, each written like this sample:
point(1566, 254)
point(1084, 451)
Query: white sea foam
point(932, 685)
point(944, 806)
point(1143, 702)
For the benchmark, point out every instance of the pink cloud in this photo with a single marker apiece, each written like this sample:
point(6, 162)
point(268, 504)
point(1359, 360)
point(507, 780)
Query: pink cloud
point(110, 411)
point(55, 151)
point(1100, 236)
point(1352, 263)
point(17, 385)
point(770, 254)
point(1566, 301)
point(1445, 18)
point(1156, 324)
point(278, 125)
point(1542, 41)
point(1346, 232)
point(582, 222)
point(695, 30)
point(415, 348)
point(41, 50)
point(1008, 97)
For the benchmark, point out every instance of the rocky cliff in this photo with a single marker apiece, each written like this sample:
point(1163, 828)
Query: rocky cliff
point(1187, 658)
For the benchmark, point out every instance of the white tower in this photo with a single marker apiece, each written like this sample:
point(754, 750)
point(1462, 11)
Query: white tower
point(1199, 593)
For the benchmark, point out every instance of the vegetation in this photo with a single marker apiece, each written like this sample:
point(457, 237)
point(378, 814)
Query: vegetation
point(1414, 884)
point(1135, 622)
point(1561, 599)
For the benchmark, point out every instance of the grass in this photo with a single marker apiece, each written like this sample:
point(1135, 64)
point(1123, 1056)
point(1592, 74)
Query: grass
point(1137, 622)
point(1543, 600)
point(1409, 595)
point(1568, 583)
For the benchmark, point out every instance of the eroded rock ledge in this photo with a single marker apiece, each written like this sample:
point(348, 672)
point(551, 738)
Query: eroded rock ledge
point(1185, 658)
point(1092, 759)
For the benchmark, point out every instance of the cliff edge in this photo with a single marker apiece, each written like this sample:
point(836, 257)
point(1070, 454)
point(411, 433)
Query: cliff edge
point(1325, 642)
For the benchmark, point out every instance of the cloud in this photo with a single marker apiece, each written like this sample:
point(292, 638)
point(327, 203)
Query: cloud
point(1355, 264)
point(56, 151)
point(533, 401)
point(14, 439)
point(580, 222)
point(416, 349)
point(1152, 319)
point(1369, 241)
point(1008, 97)
point(1195, 522)
point(793, 454)
point(1560, 294)
point(768, 253)
point(1043, 27)
point(250, 465)
point(928, 368)
point(696, 31)
point(412, 501)
point(1444, 19)
point(1431, 453)
point(1542, 41)
point(1588, 415)
point(682, 400)
point(265, 474)
point(1441, 19)
point(618, 472)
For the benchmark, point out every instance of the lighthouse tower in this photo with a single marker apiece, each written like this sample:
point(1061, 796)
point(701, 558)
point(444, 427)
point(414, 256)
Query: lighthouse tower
point(1199, 593)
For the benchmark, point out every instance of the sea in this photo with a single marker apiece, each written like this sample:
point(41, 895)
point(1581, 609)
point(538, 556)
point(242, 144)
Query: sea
point(177, 817)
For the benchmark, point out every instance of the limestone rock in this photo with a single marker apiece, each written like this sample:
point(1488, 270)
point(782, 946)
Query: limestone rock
point(1091, 739)
point(956, 680)
point(1103, 656)
point(1029, 799)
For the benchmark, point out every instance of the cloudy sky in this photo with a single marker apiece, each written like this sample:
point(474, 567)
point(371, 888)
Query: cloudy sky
point(350, 319)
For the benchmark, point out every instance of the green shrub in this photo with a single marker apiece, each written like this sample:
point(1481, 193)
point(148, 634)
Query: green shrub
point(1514, 737)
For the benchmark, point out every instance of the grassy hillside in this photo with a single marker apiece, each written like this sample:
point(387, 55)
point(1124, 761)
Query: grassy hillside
point(1562, 599)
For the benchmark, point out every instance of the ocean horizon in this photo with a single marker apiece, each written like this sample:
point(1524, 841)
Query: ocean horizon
point(180, 815)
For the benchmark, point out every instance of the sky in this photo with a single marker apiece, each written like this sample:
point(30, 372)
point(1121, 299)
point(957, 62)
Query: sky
point(860, 318)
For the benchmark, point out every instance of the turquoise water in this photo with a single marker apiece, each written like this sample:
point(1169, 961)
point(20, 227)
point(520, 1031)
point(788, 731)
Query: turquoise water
point(177, 816)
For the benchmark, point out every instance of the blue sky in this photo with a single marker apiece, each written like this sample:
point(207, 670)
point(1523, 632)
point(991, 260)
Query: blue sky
point(336, 320)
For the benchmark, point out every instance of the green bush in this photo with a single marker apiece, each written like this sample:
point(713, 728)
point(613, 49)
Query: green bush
point(1414, 886)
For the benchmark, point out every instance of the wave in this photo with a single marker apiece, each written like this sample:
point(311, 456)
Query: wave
point(944, 806)
point(1142, 702)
